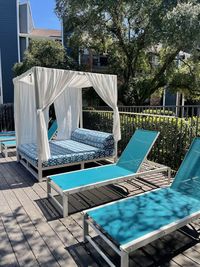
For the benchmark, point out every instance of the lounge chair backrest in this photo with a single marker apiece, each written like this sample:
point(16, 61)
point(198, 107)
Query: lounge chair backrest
point(137, 149)
point(187, 179)
point(52, 130)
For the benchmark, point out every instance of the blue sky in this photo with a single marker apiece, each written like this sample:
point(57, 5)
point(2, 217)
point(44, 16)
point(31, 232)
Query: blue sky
point(43, 14)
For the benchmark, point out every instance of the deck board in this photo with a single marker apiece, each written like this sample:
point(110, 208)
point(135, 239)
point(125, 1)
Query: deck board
point(32, 233)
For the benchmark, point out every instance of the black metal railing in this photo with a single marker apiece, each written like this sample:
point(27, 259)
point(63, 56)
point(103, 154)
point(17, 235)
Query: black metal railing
point(174, 111)
point(176, 132)
point(178, 125)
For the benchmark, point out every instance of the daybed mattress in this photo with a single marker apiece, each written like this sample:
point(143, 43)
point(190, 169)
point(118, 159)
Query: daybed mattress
point(64, 152)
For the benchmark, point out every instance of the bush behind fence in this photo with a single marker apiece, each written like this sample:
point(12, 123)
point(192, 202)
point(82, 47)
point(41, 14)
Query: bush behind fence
point(176, 134)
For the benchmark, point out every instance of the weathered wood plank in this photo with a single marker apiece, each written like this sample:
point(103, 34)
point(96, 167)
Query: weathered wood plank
point(50, 240)
point(7, 256)
point(57, 226)
point(49, 236)
point(31, 234)
point(17, 239)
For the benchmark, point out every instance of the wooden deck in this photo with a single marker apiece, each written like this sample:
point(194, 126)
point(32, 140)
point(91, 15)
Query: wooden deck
point(33, 234)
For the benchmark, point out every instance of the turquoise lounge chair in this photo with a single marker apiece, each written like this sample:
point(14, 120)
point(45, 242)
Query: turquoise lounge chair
point(52, 130)
point(131, 223)
point(7, 133)
point(9, 142)
point(125, 169)
point(6, 136)
point(6, 145)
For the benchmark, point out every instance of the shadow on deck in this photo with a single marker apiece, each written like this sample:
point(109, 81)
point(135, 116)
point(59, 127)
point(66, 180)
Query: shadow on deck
point(32, 233)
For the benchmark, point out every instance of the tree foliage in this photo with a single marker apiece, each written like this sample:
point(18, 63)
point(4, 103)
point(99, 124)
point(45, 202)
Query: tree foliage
point(133, 32)
point(45, 53)
point(186, 78)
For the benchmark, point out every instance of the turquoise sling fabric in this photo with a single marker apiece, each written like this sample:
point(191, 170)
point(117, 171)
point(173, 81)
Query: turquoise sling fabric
point(187, 180)
point(137, 149)
point(89, 176)
point(52, 130)
point(6, 137)
point(139, 146)
point(135, 217)
point(9, 143)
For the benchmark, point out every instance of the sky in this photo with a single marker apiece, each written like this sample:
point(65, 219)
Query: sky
point(43, 14)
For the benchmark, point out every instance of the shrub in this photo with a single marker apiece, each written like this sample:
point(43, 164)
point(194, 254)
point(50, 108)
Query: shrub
point(175, 136)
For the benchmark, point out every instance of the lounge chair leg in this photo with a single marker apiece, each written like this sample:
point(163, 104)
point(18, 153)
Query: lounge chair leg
point(115, 159)
point(82, 166)
point(48, 187)
point(4, 151)
point(85, 228)
point(39, 173)
point(18, 157)
point(124, 259)
point(65, 205)
point(169, 175)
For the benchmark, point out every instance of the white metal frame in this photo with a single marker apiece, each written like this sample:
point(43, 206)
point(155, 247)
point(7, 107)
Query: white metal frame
point(63, 209)
point(12, 138)
point(5, 147)
point(65, 193)
point(124, 250)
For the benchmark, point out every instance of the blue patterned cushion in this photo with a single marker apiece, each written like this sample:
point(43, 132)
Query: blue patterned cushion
point(94, 138)
point(64, 152)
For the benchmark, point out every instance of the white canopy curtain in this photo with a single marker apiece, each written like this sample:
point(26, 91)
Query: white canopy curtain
point(38, 88)
point(67, 109)
point(106, 88)
point(25, 108)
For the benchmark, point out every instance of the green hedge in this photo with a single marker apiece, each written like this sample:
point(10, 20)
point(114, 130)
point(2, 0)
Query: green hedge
point(175, 136)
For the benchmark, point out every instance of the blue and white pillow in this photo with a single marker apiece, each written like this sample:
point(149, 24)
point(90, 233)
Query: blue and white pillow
point(97, 139)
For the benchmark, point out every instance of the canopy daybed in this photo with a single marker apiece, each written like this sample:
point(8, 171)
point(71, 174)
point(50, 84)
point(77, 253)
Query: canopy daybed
point(35, 91)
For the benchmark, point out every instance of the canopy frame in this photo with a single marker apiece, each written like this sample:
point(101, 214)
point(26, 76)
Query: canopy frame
point(105, 85)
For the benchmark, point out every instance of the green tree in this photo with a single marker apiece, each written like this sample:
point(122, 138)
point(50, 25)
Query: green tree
point(186, 78)
point(135, 29)
point(45, 53)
